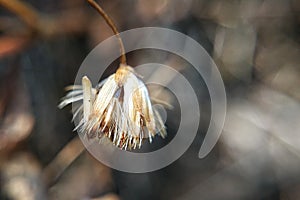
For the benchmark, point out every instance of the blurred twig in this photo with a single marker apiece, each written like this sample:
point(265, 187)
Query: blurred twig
point(62, 160)
point(16, 120)
point(24, 11)
point(66, 22)
point(16, 36)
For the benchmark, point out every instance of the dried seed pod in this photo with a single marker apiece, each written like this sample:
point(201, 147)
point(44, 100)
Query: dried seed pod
point(121, 110)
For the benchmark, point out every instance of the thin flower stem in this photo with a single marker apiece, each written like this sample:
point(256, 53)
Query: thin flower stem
point(112, 26)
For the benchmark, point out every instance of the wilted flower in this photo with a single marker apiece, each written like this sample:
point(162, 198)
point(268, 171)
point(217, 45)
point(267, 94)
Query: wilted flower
point(119, 108)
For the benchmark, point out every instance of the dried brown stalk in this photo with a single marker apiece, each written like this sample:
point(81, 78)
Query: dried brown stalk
point(24, 11)
point(113, 27)
point(62, 160)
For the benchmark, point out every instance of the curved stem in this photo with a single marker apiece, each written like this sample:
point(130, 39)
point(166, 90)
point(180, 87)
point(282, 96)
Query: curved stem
point(24, 11)
point(112, 26)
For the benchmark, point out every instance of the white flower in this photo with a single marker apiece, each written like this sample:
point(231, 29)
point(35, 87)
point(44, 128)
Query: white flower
point(119, 108)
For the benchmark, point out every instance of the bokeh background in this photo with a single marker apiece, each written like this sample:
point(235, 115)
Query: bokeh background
point(255, 44)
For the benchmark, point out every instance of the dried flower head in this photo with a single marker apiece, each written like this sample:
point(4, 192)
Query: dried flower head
point(118, 108)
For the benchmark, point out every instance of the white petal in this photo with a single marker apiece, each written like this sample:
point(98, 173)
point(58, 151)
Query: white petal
point(147, 109)
point(130, 87)
point(105, 95)
point(160, 127)
point(77, 111)
point(87, 97)
point(70, 100)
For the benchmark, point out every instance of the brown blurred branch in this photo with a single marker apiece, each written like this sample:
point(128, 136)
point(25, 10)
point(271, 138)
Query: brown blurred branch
point(17, 36)
point(62, 160)
point(67, 21)
point(24, 11)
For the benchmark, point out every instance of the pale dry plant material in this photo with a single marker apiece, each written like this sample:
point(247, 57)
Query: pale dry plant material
point(120, 109)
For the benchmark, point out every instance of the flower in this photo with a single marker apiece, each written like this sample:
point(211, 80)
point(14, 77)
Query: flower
point(118, 108)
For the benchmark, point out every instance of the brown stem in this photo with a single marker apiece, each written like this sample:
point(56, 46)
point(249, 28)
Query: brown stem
point(112, 26)
point(62, 160)
point(26, 12)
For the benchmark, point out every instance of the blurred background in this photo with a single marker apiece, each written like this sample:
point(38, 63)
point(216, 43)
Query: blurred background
point(255, 44)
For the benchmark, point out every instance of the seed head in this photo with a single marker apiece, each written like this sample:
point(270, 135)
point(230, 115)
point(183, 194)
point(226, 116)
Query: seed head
point(118, 108)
